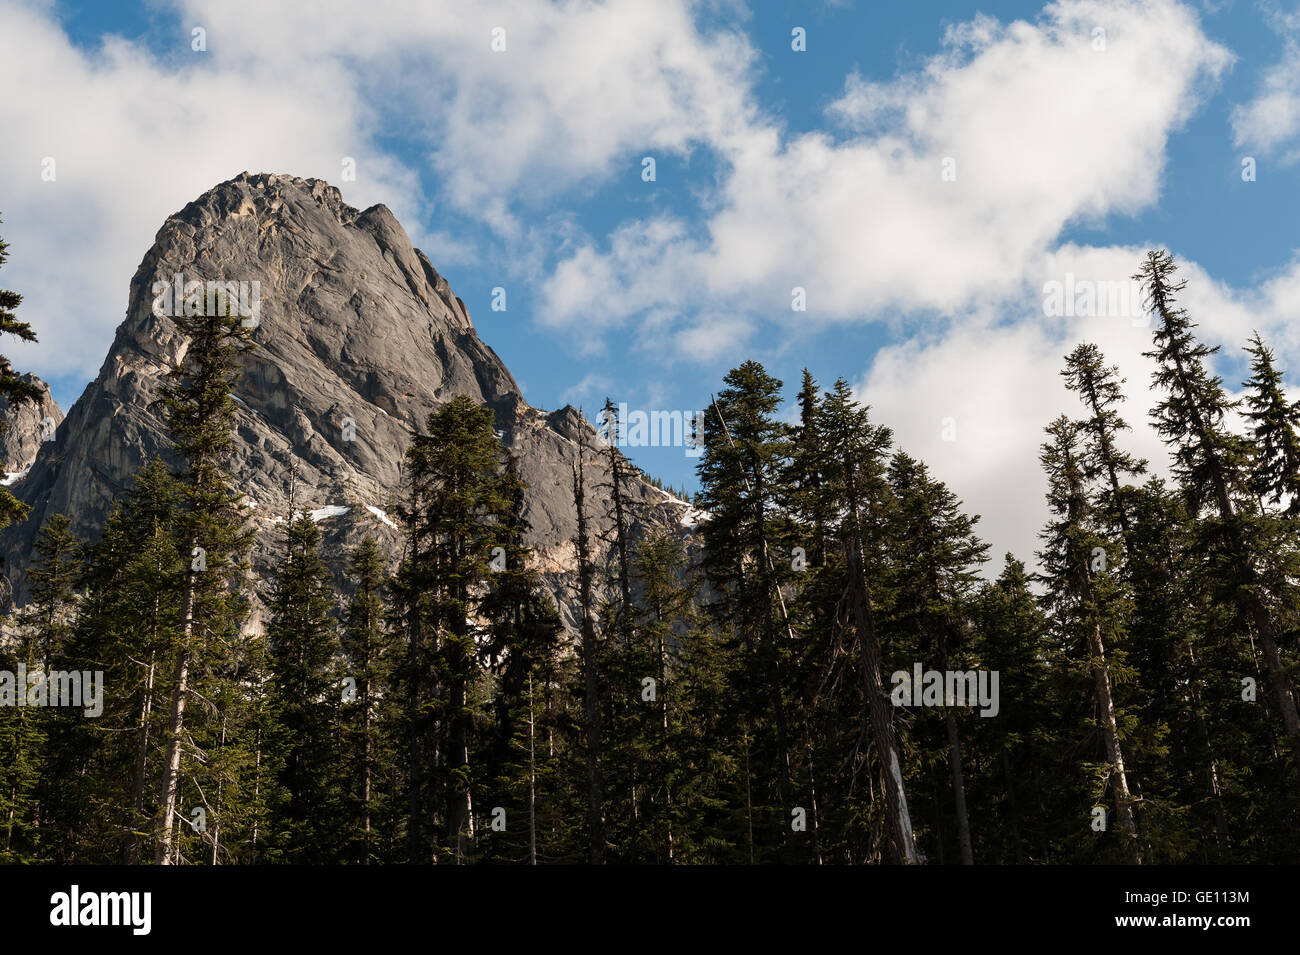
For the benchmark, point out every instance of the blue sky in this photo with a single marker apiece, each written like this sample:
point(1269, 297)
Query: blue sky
point(775, 168)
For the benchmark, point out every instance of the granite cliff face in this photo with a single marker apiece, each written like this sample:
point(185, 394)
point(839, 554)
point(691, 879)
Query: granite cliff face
point(358, 339)
point(25, 428)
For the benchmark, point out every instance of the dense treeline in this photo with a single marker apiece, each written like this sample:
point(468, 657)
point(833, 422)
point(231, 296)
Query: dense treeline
point(752, 699)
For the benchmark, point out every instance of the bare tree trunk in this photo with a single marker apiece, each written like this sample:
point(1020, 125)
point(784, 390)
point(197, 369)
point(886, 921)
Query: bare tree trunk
point(532, 778)
point(1114, 752)
point(165, 854)
point(257, 787)
point(663, 715)
point(458, 808)
point(216, 825)
point(365, 772)
point(141, 757)
point(1222, 836)
point(958, 788)
point(902, 842)
point(816, 826)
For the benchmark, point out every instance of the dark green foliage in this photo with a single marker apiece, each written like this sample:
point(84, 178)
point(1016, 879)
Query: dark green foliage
point(1275, 474)
point(1252, 553)
point(35, 740)
point(732, 694)
point(747, 560)
point(1099, 387)
point(1090, 608)
point(206, 755)
point(304, 699)
point(459, 497)
point(934, 557)
point(367, 756)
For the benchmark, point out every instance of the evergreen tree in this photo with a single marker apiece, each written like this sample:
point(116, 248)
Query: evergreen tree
point(623, 657)
point(125, 627)
point(1100, 388)
point(1275, 474)
point(34, 732)
point(47, 618)
point(46, 625)
point(22, 747)
point(1212, 464)
point(200, 413)
point(717, 707)
point(856, 475)
point(746, 450)
point(30, 780)
point(666, 609)
point(1184, 708)
point(1088, 606)
point(303, 646)
point(457, 499)
point(808, 502)
point(1011, 639)
point(367, 745)
point(591, 681)
point(523, 654)
point(935, 555)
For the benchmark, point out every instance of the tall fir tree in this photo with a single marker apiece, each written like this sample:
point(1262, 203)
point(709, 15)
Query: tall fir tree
point(1011, 638)
point(666, 615)
point(1275, 472)
point(47, 619)
point(623, 655)
point(1088, 606)
point(303, 650)
point(808, 501)
point(1100, 388)
point(746, 560)
point(46, 625)
point(457, 499)
point(935, 559)
point(368, 747)
point(201, 416)
point(856, 476)
point(1212, 464)
point(589, 653)
point(33, 774)
point(125, 628)
point(524, 642)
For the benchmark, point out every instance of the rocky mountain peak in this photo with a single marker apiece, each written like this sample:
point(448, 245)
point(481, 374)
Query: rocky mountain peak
point(358, 338)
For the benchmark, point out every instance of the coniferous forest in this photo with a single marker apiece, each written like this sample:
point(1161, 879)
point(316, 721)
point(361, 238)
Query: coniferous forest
point(739, 691)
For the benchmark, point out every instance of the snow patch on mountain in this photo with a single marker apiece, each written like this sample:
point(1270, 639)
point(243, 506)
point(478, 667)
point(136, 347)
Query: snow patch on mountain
point(328, 511)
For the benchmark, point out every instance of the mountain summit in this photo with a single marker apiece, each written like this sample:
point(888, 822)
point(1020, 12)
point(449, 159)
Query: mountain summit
point(358, 339)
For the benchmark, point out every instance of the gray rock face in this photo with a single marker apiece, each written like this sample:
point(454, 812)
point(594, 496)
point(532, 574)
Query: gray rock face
point(359, 338)
point(25, 426)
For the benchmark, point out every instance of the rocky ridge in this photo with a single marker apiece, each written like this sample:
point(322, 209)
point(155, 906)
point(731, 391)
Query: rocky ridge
point(358, 339)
